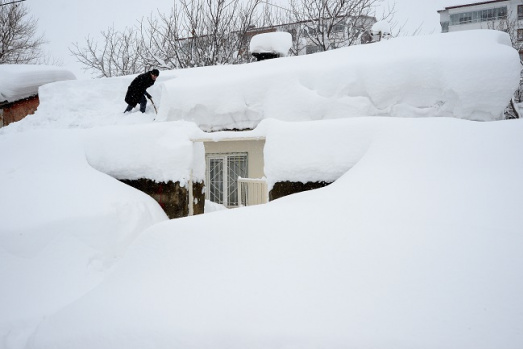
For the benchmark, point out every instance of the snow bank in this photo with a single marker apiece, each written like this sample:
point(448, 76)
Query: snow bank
point(63, 224)
point(21, 81)
point(87, 104)
point(418, 246)
point(442, 75)
point(316, 151)
point(161, 152)
point(277, 42)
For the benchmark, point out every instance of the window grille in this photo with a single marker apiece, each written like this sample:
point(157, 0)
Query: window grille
point(222, 175)
point(237, 167)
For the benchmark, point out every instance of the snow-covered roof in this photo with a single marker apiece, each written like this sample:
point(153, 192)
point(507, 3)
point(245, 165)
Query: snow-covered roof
point(381, 26)
point(403, 77)
point(20, 81)
point(440, 75)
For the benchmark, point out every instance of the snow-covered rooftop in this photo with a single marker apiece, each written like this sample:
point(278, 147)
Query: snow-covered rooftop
point(20, 81)
point(441, 75)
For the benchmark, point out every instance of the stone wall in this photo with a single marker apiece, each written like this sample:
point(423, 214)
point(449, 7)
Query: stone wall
point(173, 198)
point(281, 189)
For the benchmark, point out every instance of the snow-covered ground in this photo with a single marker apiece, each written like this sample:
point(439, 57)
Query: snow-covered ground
point(416, 245)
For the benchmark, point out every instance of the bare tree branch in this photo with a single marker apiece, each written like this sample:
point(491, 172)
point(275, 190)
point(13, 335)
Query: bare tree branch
point(19, 42)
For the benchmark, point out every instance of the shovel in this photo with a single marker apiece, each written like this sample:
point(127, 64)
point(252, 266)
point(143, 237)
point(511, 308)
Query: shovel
point(155, 110)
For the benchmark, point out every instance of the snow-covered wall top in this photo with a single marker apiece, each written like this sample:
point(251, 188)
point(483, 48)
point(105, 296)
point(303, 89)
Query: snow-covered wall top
point(277, 42)
point(161, 152)
point(19, 81)
point(442, 75)
point(381, 26)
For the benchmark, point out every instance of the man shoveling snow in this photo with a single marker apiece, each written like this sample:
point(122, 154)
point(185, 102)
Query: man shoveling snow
point(136, 92)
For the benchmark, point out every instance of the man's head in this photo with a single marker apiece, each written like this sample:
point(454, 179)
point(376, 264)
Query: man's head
point(154, 73)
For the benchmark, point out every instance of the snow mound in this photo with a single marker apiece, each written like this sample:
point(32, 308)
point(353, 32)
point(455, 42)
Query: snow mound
point(442, 75)
point(160, 152)
point(61, 220)
point(418, 246)
point(277, 42)
point(381, 27)
point(21, 81)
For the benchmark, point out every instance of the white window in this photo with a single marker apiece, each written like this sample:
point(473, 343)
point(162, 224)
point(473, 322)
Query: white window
point(222, 175)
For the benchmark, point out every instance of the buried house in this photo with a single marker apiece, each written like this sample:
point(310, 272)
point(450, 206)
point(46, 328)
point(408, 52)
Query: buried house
point(19, 86)
point(244, 134)
point(279, 121)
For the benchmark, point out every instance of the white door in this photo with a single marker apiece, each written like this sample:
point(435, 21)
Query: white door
point(222, 174)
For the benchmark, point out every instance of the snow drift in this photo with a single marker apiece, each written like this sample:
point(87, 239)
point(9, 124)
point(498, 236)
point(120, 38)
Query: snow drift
point(441, 75)
point(62, 221)
point(418, 246)
point(446, 75)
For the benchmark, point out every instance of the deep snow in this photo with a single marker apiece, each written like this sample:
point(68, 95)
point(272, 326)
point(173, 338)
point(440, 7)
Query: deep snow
point(22, 81)
point(416, 245)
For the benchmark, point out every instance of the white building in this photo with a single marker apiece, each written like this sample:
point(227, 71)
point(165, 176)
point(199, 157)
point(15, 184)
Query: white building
point(479, 15)
point(506, 15)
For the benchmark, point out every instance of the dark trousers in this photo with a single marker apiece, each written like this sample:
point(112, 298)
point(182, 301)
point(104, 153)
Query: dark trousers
point(143, 104)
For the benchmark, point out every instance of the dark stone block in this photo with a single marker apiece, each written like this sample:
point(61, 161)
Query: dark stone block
point(173, 198)
point(282, 189)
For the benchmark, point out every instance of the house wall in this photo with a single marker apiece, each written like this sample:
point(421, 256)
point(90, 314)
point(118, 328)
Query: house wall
point(18, 110)
point(253, 148)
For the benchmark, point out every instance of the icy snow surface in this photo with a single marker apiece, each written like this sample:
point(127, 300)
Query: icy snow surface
point(417, 244)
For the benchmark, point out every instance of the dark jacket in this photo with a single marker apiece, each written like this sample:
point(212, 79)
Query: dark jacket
point(137, 88)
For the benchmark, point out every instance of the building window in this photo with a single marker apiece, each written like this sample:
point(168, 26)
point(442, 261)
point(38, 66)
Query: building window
point(520, 34)
point(338, 28)
point(520, 11)
point(444, 27)
point(222, 175)
point(479, 16)
point(312, 49)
